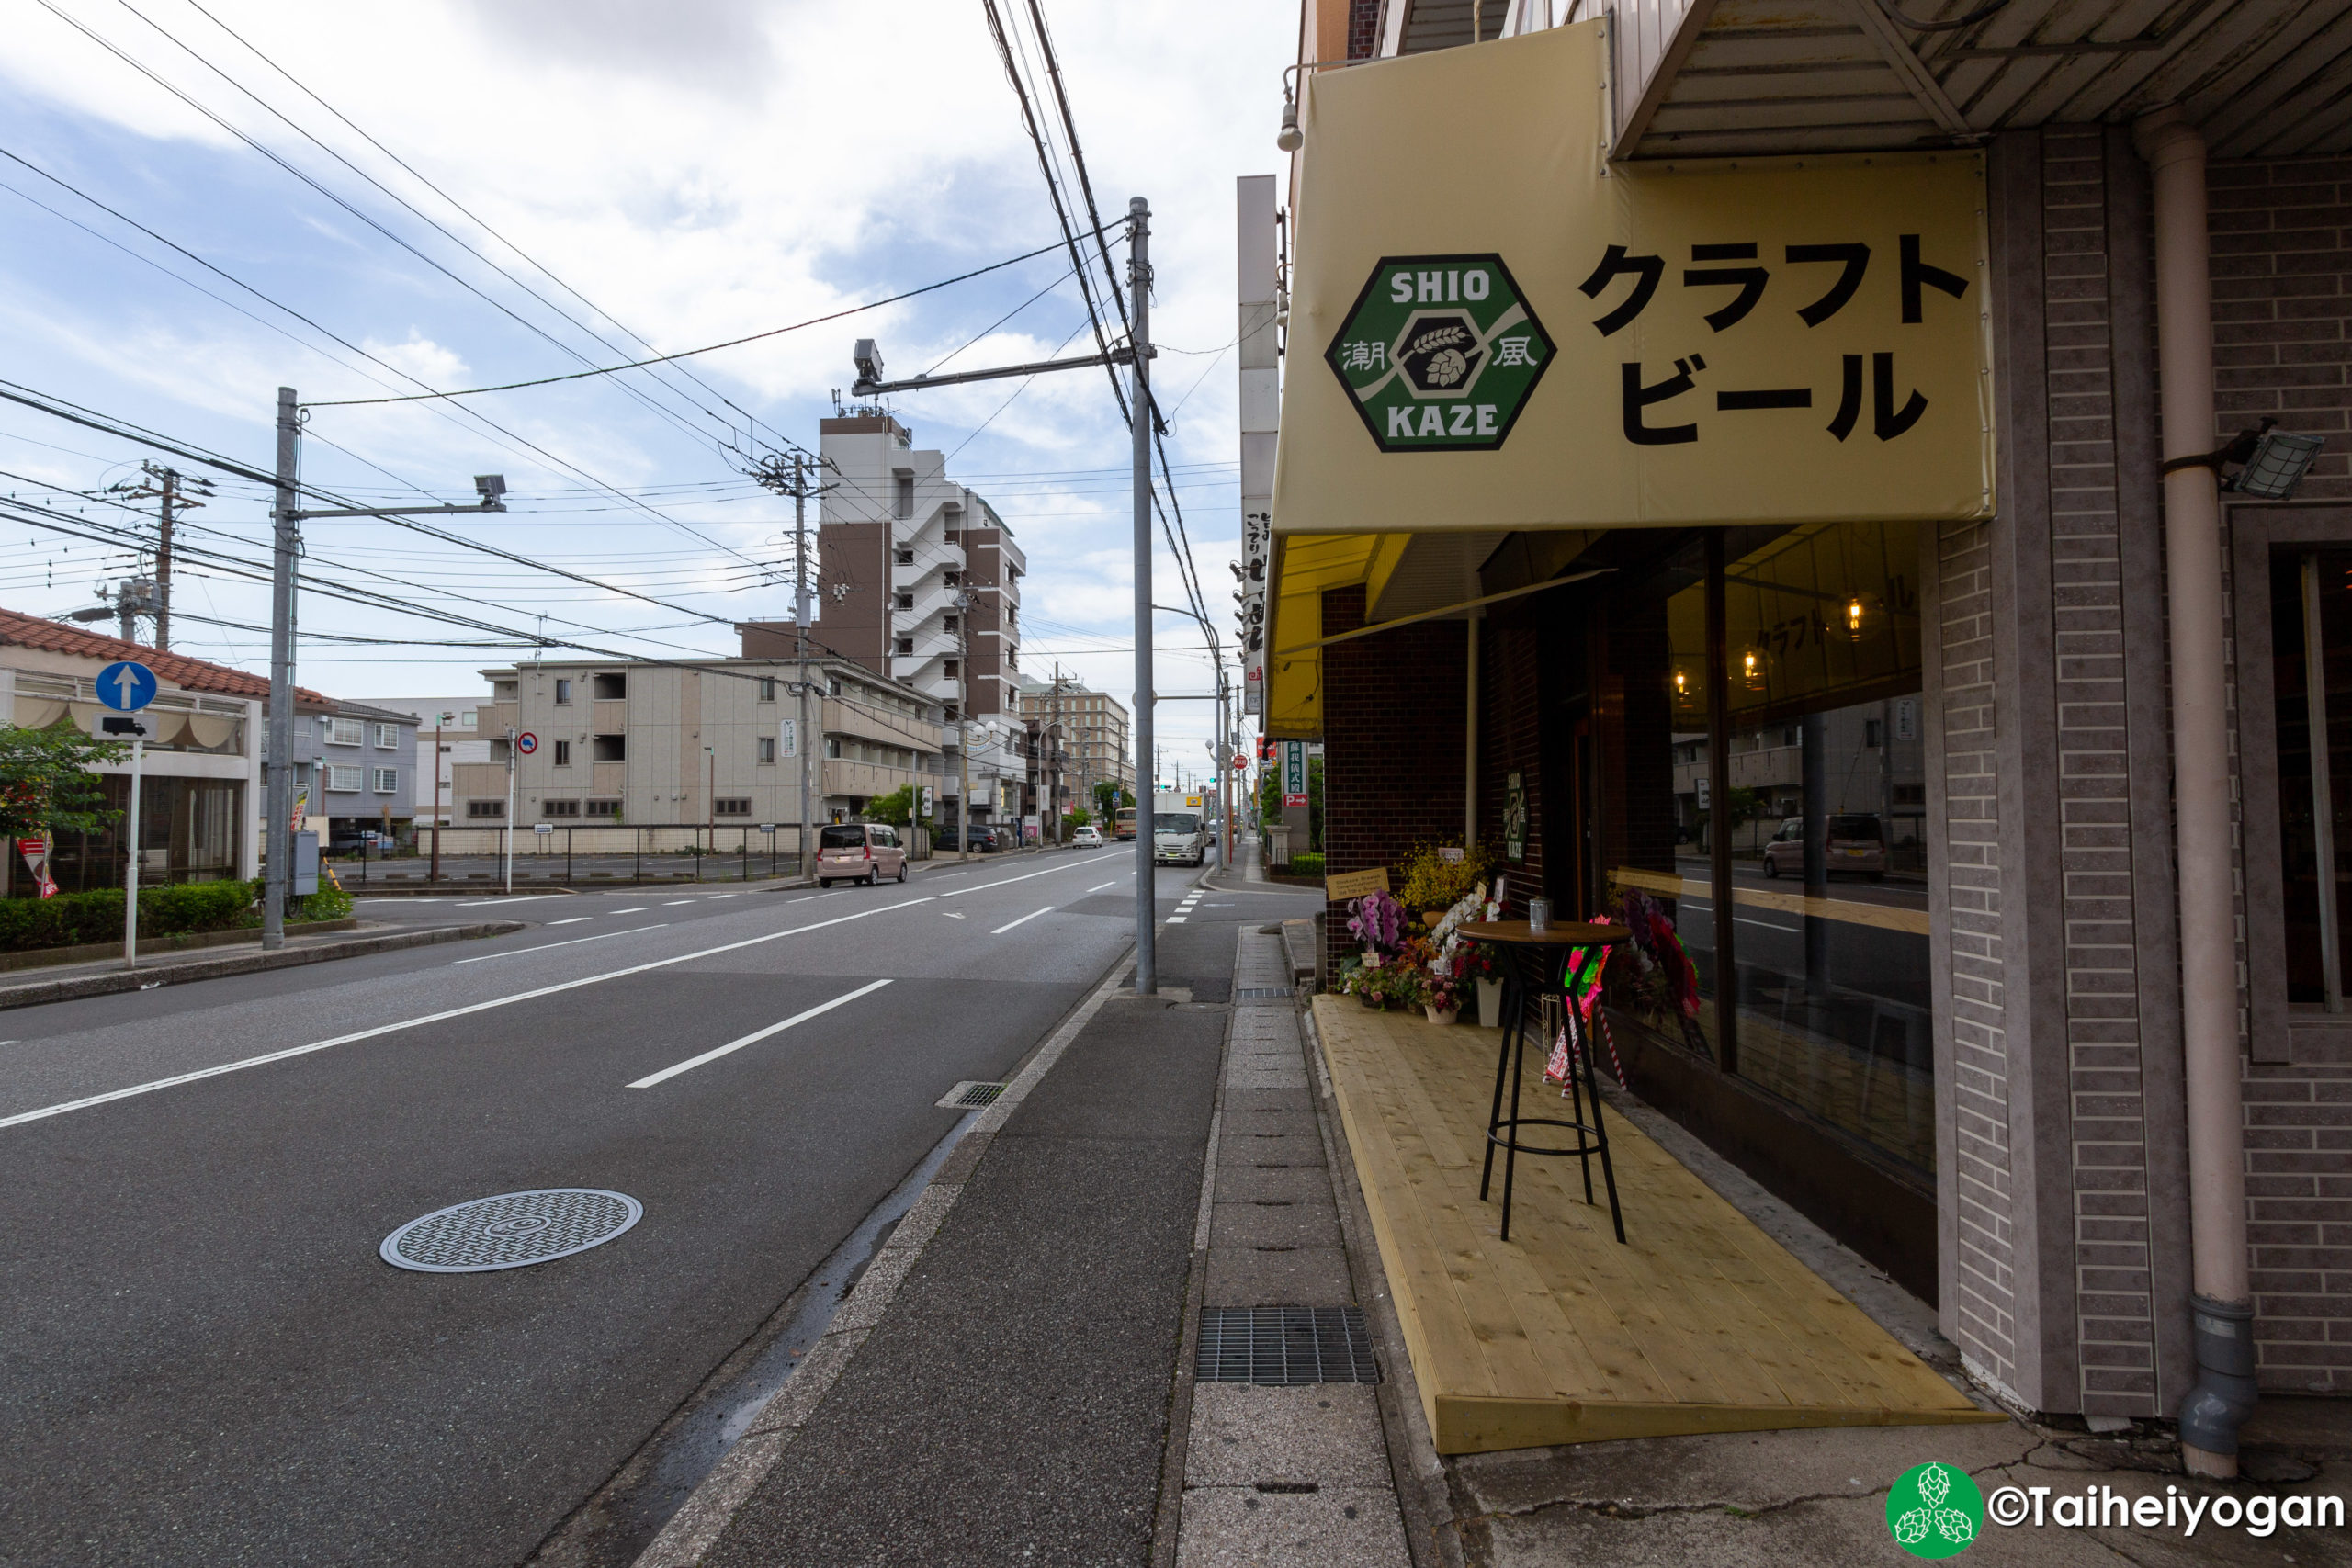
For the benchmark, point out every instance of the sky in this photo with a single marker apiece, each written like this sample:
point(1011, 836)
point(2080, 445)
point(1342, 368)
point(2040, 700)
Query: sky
point(187, 222)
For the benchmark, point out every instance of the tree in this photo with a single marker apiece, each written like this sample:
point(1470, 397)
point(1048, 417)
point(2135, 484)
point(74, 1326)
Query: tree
point(897, 807)
point(1110, 796)
point(46, 786)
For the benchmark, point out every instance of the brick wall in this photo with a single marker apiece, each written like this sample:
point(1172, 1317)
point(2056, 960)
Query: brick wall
point(2282, 299)
point(1979, 1298)
point(1392, 743)
point(1364, 28)
point(1511, 741)
point(2107, 1125)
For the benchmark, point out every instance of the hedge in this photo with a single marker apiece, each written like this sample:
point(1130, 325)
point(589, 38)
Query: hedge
point(188, 907)
point(1308, 866)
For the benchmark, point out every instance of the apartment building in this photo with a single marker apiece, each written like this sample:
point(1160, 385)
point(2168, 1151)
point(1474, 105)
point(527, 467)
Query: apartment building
point(355, 766)
point(1093, 734)
point(459, 741)
point(598, 743)
point(919, 580)
point(998, 768)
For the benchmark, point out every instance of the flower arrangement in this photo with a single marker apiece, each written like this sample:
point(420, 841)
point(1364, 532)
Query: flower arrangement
point(1378, 984)
point(1378, 921)
point(1434, 881)
point(1652, 975)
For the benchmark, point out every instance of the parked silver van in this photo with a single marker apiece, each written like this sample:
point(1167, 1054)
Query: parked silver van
point(859, 851)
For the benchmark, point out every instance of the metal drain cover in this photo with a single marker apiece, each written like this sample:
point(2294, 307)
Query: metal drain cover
point(512, 1230)
point(1284, 1347)
point(970, 1096)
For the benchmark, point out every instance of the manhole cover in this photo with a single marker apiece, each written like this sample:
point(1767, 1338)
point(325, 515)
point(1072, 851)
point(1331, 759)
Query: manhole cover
point(511, 1231)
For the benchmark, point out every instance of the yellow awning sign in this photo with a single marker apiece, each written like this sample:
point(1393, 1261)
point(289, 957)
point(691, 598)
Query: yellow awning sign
point(1516, 334)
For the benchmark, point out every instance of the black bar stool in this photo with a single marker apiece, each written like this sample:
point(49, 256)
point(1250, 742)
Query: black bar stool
point(1538, 965)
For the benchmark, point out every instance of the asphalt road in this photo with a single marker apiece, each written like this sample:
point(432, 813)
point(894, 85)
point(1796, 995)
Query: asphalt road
point(207, 1362)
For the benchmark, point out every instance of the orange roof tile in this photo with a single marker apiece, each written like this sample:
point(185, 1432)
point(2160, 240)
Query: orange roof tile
point(190, 674)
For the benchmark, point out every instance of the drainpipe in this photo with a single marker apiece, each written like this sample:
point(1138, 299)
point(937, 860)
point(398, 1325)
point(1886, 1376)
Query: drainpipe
point(2221, 1303)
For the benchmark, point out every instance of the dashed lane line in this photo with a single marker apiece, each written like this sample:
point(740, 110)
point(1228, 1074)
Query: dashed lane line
point(691, 1062)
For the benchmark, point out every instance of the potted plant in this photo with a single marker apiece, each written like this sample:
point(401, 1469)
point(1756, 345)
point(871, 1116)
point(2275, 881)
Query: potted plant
point(1378, 921)
point(1440, 996)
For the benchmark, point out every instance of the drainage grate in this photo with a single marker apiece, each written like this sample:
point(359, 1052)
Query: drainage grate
point(511, 1231)
point(1279, 1347)
point(970, 1096)
point(1265, 994)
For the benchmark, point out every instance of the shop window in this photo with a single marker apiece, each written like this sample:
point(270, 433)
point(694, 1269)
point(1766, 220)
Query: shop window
point(1813, 776)
point(2311, 631)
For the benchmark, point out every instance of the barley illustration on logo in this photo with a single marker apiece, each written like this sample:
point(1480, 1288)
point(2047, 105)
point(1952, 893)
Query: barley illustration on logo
point(1934, 1510)
point(1439, 353)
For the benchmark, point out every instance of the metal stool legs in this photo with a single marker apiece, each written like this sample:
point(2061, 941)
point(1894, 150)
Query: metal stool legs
point(1592, 1136)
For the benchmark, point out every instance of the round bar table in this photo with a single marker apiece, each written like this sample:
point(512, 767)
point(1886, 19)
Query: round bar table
point(1540, 965)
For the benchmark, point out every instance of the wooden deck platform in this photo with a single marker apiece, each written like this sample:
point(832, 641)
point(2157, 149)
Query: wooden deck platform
point(1702, 1324)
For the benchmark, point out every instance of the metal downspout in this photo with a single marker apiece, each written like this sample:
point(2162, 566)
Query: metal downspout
point(2221, 1310)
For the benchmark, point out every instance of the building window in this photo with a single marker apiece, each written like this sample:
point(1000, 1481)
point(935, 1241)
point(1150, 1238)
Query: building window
point(953, 579)
point(388, 737)
point(342, 780)
point(563, 753)
point(609, 749)
point(387, 781)
point(479, 809)
point(906, 601)
point(610, 688)
point(905, 556)
point(600, 808)
point(906, 645)
point(948, 624)
point(562, 692)
point(767, 688)
point(346, 732)
point(903, 503)
point(833, 747)
point(767, 749)
point(731, 806)
point(560, 808)
point(951, 668)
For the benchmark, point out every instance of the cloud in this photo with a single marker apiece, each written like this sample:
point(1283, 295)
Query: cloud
point(420, 357)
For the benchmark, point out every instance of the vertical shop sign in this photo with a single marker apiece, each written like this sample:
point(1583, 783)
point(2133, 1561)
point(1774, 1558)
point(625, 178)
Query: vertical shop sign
point(1294, 773)
point(1514, 817)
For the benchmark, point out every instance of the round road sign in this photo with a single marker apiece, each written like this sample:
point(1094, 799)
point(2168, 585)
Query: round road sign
point(126, 685)
point(527, 744)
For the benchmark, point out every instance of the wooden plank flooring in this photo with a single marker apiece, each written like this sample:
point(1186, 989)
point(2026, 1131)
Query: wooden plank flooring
point(1700, 1324)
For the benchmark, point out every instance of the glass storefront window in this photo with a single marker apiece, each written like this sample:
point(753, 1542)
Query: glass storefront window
point(1824, 822)
point(187, 830)
point(2310, 630)
point(1656, 800)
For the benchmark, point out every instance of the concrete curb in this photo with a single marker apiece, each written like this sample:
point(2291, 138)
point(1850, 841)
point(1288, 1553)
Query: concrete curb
point(695, 1528)
point(42, 993)
point(98, 952)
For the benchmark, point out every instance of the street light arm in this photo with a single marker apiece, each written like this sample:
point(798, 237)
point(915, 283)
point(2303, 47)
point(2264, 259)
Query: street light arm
point(866, 388)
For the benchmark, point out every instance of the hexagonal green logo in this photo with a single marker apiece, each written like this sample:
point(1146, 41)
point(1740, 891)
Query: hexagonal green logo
point(1439, 353)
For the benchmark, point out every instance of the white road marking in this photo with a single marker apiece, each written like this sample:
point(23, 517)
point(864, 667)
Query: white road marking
point(292, 1051)
point(1114, 882)
point(569, 920)
point(957, 893)
point(632, 909)
point(952, 914)
point(569, 941)
point(813, 896)
point(675, 902)
point(1022, 921)
point(517, 899)
point(691, 1062)
point(1174, 921)
point(722, 895)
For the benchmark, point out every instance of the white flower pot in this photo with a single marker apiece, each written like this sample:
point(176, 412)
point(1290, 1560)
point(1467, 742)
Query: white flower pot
point(1490, 1003)
point(1448, 1015)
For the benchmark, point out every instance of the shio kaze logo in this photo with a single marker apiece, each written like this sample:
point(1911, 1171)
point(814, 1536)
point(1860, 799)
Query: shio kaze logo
point(1439, 353)
point(1934, 1510)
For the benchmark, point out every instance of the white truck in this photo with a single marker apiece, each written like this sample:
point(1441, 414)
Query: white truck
point(1179, 828)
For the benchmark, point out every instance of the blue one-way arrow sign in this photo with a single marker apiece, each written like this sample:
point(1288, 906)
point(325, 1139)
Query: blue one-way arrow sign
point(126, 685)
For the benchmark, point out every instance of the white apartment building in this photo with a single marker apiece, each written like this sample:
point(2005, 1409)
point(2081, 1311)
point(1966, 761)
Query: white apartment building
point(460, 741)
point(918, 579)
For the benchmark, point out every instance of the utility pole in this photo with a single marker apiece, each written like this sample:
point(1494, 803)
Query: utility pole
point(285, 538)
point(439, 719)
point(964, 709)
point(1139, 296)
point(164, 562)
point(800, 631)
point(1135, 354)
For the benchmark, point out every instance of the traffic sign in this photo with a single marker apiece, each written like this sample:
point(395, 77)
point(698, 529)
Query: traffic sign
point(527, 744)
point(126, 685)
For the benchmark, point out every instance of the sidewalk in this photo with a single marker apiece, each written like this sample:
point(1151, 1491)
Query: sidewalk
point(1137, 1316)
